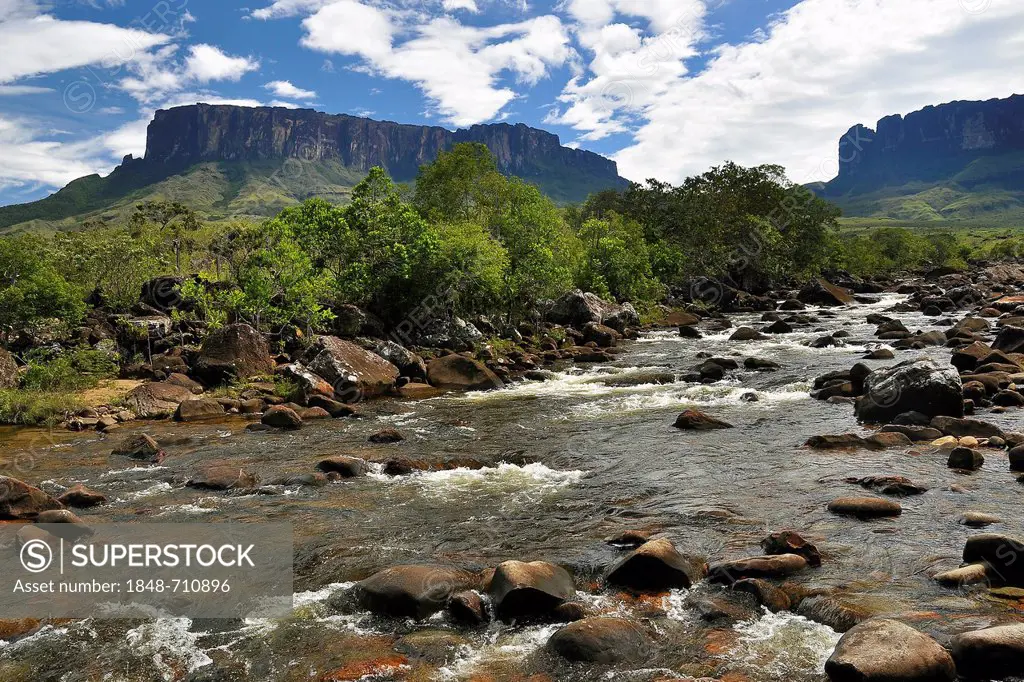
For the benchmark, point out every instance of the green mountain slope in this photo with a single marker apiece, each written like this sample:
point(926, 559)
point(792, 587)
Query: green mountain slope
point(218, 191)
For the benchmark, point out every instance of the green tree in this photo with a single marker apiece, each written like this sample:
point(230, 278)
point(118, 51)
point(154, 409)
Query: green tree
point(173, 220)
point(32, 290)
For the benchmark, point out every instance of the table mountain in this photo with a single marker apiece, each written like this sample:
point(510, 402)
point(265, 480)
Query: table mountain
point(952, 162)
point(228, 160)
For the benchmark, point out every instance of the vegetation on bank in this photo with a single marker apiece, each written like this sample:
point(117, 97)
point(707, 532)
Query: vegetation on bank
point(468, 239)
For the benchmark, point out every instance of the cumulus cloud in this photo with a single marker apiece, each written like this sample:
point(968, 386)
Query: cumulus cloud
point(819, 68)
point(207, 63)
point(457, 67)
point(35, 45)
point(286, 89)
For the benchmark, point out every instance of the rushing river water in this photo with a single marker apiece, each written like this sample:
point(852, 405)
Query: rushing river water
point(570, 461)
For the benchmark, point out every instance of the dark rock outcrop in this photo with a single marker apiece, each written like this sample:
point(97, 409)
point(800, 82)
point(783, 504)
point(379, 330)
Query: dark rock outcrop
point(918, 385)
point(187, 135)
point(414, 591)
point(234, 351)
point(460, 372)
point(529, 590)
point(21, 501)
point(8, 370)
point(601, 640)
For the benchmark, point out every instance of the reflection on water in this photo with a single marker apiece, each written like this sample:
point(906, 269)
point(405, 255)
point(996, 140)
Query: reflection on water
point(567, 462)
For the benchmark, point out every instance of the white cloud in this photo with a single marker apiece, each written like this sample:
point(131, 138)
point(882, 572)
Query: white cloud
point(30, 160)
point(351, 28)
point(207, 63)
point(286, 89)
point(42, 44)
point(823, 66)
point(457, 66)
point(23, 90)
point(453, 5)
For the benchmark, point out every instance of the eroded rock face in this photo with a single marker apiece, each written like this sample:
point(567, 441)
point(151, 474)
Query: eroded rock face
point(182, 136)
point(529, 590)
point(414, 591)
point(21, 501)
point(888, 651)
point(655, 566)
point(918, 385)
point(601, 640)
point(234, 351)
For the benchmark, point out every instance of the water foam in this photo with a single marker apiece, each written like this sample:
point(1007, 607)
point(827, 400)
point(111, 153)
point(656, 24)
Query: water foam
point(782, 645)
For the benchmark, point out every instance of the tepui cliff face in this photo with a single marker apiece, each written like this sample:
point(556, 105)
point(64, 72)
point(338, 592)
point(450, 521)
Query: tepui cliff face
point(199, 133)
point(930, 145)
point(227, 161)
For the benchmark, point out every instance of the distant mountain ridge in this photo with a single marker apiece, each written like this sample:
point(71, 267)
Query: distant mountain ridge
point(248, 154)
point(959, 161)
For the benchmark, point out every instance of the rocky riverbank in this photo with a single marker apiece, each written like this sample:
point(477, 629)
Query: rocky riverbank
point(820, 490)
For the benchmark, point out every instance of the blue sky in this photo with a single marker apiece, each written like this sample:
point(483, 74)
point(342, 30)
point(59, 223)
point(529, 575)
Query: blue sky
point(666, 87)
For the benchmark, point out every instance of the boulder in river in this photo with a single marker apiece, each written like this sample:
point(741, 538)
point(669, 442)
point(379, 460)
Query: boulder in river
point(157, 400)
point(917, 434)
point(864, 507)
point(767, 594)
point(779, 327)
point(655, 566)
point(971, 574)
point(529, 590)
point(994, 653)
point(830, 611)
point(747, 334)
point(917, 385)
point(233, 351)
point(771, 566)
point(840, 441)
point(409, 364)
point(281, 417)
point(1002, 554)
point(820, 292)
point(223, 477)
point(695, 420)
point(468, 608)
point(882, 650)
point(346, 467)
point(791, 542)
point(21, 501)
point(603, 336)
point(962, 428)
point(898, 486)
point(1010, 339)
point(461, 373)
point(602, 639)
point(386, 437)
point(965, 458)
point(354, 372)
point(141, 447)
point(414, 591)
point(82, 497)
point(198, 409)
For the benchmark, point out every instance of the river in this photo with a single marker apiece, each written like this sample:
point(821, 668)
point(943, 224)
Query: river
point(569, 462)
